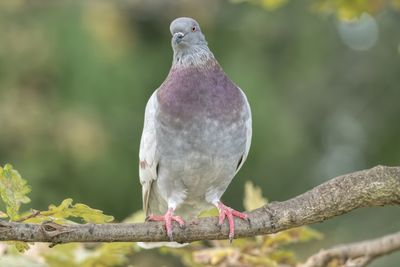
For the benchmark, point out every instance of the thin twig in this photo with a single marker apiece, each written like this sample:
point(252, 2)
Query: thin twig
point(33, 214)
point(358, 254)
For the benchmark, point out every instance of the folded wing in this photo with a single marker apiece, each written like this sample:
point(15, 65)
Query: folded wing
point(148, 158)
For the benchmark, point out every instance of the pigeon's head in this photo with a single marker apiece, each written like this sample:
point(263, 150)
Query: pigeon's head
point(186, 33)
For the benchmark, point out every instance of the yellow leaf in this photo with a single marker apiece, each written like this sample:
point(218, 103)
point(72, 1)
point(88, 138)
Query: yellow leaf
point(283, 256)
point(266, 4)
point(3, 215)
point(88, 214)
point(251, 260)
point(279, 239)
point(19, 245)
point(253, 197)
point(273, 4)
point(13, 191)
point(66, 210)
point(208, 213)
point(135, 217)
point(349, 10)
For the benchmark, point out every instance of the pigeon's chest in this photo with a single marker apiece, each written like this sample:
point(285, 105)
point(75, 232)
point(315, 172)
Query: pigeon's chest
point(196, 93)
point(200, 114)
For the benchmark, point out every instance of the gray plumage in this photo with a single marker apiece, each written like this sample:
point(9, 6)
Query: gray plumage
point(197, 130)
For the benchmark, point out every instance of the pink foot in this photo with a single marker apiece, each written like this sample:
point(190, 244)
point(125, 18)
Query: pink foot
point(168, 217)
point(229, 213)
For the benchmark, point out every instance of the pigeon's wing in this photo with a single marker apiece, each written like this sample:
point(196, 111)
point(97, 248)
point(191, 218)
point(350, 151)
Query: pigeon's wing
point(148, 158)
point(248, 125)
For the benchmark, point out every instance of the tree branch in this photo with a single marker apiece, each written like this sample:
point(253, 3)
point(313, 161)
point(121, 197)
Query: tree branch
point(355, 254)
point(378, 186)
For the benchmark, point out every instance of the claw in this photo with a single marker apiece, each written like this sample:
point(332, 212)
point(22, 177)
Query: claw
point(168, 218)
point(229, 213)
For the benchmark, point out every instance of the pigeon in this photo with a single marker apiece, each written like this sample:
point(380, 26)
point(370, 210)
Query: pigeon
point(196, 135)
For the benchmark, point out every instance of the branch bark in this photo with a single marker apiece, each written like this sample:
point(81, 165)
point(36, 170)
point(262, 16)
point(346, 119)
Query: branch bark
point(358, 254)
point(374, 187)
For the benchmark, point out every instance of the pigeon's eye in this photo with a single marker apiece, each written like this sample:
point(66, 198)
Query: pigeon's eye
point(194, 28)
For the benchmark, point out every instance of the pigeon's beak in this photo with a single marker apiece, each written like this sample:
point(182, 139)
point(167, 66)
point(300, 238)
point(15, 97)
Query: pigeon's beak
point(178, 37)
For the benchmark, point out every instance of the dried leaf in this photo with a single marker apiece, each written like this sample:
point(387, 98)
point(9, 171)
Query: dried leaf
point(294, 235)
point(283, 257)
point(214, 256)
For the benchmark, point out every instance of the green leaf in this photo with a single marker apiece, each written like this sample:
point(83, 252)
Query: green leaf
point(67, 210)
point(13, 191)
point(208, 213)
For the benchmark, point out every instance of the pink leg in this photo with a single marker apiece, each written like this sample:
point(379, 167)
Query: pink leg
point(229, 213)
point(168, 217)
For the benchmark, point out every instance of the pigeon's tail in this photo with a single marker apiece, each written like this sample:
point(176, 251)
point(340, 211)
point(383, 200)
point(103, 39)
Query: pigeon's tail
point(150, 245)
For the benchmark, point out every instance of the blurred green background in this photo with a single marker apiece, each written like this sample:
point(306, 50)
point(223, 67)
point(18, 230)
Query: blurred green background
point(323, 87)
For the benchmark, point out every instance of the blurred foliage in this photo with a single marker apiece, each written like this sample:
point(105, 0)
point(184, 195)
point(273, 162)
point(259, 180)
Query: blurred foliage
point(76, 255)
point(266, 251)
point(267, 4)
point(350, 9)
point(75, 77)
point(343, 9)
